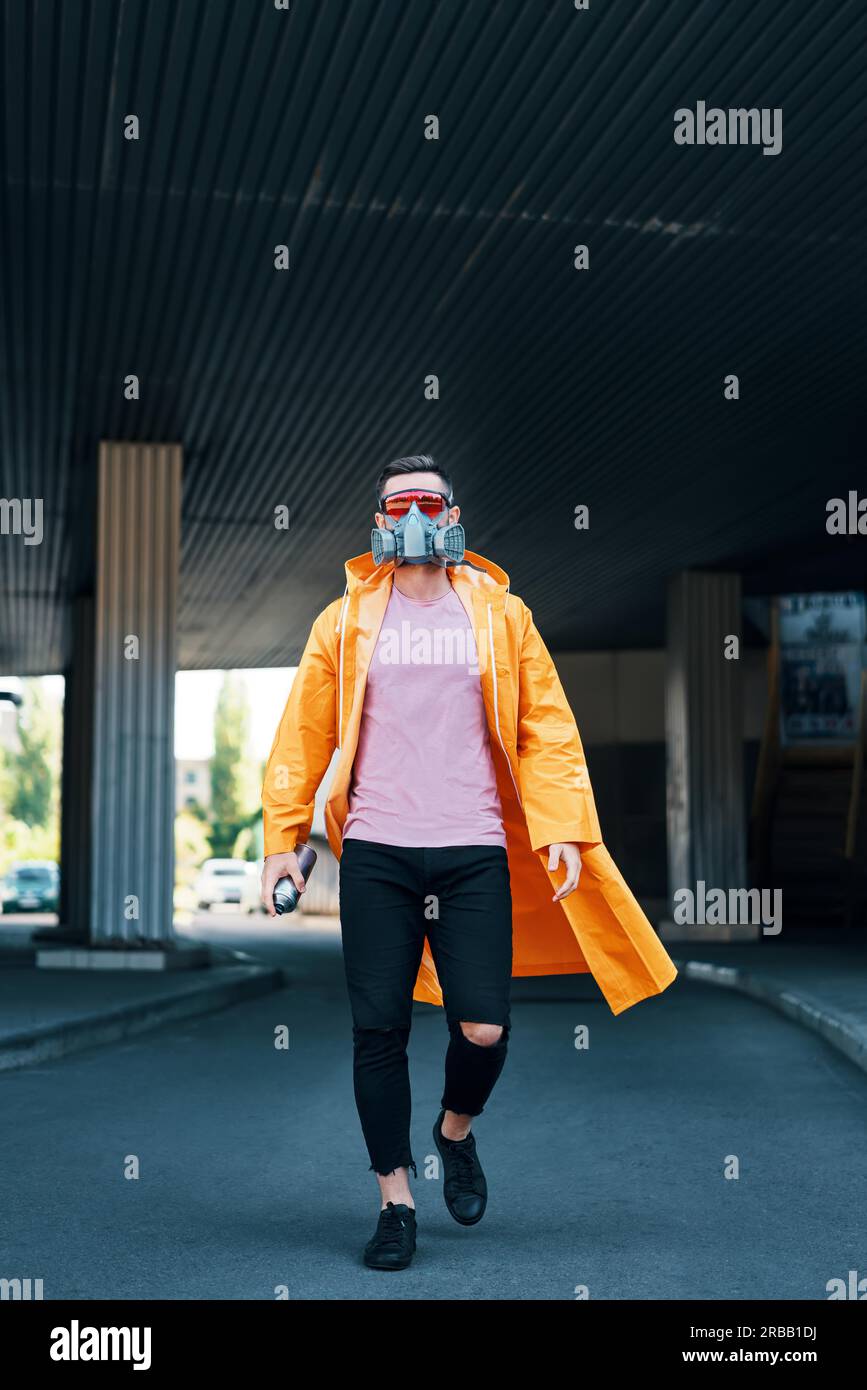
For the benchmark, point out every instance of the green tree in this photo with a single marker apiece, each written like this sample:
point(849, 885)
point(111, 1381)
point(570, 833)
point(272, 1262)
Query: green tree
point(19, 841)
point(192, 845)
point(230, 770)
point(31, 774)
point(192, 848)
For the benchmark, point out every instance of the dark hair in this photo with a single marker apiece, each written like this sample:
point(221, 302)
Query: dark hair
point(413, 463)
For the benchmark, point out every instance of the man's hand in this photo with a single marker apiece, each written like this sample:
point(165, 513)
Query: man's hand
point(571, 856)
point(279, 866)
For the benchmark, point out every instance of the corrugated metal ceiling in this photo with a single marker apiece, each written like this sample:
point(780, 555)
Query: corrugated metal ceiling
point(410, 257)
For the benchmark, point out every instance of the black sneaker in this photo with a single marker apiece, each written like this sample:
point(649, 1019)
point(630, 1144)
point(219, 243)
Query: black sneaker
point(464, 1187)
point(392, 1245)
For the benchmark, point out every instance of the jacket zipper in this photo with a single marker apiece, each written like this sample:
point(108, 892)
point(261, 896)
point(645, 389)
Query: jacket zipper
point(496, 705)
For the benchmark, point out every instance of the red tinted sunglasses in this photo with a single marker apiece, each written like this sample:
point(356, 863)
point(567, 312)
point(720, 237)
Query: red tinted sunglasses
point(399, 503)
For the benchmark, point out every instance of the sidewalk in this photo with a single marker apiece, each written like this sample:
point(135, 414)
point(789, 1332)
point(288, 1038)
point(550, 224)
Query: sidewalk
point(817, 978)
point(46, 1014)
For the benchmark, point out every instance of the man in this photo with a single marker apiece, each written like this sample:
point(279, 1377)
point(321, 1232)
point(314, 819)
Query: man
point(459, 797)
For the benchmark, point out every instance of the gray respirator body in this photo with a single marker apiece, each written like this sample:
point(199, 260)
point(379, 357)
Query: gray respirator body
point(416, 539)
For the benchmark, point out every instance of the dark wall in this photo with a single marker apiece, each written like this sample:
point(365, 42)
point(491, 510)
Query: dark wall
point(629, 786)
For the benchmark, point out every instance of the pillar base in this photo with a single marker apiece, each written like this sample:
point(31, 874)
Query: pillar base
point(114, 958)
point(59, 935)
point(672, 932)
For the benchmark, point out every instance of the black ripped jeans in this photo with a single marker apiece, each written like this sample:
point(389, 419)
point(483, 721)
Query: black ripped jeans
point(391, 897)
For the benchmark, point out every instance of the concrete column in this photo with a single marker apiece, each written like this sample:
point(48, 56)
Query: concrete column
point(137, 555)
point(704, 740)
point(118, 818)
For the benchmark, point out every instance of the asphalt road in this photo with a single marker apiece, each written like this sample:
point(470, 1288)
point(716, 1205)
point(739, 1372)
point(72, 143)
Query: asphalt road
point(606, 1166)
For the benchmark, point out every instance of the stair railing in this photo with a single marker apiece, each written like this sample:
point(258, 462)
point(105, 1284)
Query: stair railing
point(767, 771)
point(857, 769)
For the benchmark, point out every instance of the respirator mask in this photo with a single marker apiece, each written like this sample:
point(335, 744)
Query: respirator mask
point(415, 538)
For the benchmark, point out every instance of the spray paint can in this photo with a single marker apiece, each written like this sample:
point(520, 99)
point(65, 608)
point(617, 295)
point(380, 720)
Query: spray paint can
point(285, 893)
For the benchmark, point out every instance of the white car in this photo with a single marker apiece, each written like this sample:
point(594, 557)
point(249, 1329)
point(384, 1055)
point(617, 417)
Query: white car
point(234, 881)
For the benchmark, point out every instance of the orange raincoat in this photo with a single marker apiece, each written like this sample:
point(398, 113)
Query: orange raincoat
point(541, 772)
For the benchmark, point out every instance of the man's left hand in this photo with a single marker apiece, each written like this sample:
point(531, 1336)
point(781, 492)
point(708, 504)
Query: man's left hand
point(571, 856)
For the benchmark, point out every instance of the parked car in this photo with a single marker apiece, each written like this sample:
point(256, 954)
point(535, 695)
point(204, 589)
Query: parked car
point(32, 886)
point(234, 881)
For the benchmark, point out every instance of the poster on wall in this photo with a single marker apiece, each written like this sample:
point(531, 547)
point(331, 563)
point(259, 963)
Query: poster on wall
point(822, 654)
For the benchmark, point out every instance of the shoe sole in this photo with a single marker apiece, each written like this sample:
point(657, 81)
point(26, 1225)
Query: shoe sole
point(371, 1264)
point(460, 1220)
point(374, 1264)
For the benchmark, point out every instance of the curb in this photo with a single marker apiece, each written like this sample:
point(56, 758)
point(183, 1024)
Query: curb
point(847, 1035)
point(52, 1040)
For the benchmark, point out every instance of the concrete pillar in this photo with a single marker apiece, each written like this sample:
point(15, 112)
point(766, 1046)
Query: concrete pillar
point(704, 741)
point(118, 817)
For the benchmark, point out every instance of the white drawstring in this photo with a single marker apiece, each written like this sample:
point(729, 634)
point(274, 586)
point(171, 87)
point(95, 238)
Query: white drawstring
point(340, 629)
point(496, 704)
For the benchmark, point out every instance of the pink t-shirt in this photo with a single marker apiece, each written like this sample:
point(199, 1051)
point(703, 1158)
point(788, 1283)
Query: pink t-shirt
point(423, 774)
